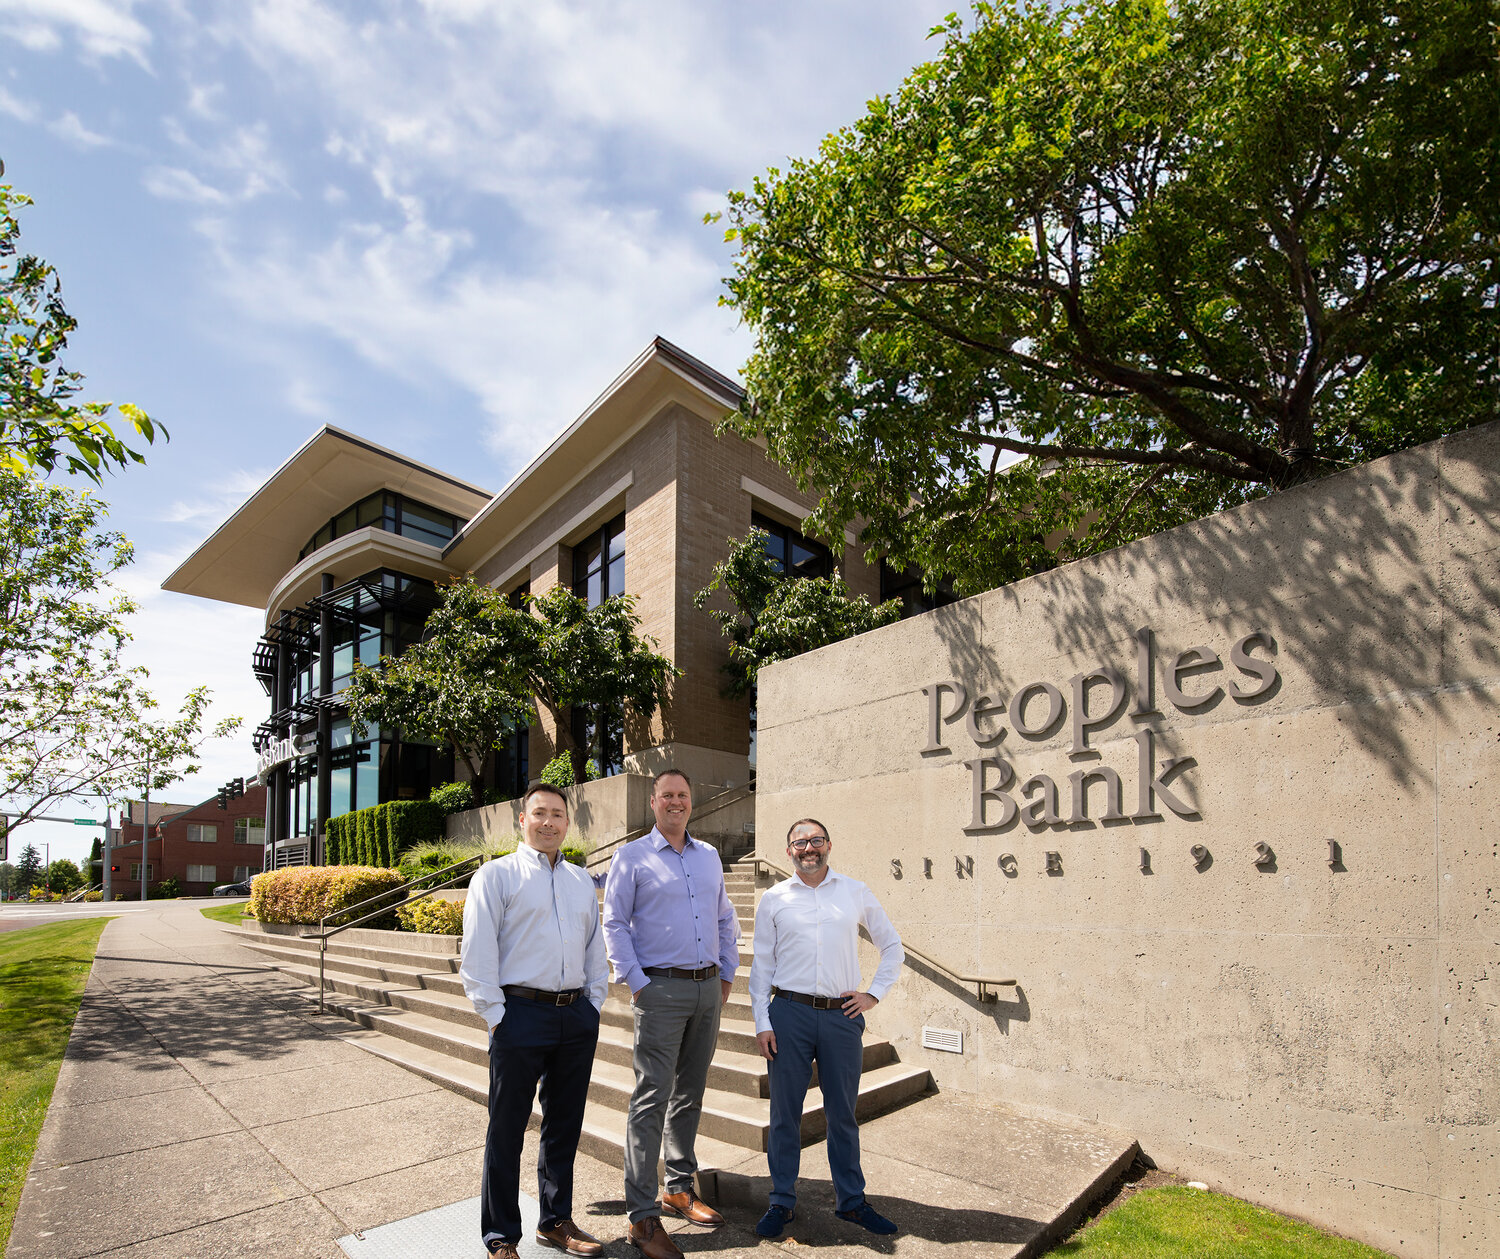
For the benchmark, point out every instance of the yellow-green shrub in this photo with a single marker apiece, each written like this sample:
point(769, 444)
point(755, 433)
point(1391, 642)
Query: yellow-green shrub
point(310, 893)
point(432, 917)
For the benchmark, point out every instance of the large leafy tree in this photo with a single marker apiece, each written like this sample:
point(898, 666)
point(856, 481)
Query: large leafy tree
point(42, 424)
point(1179, 255)
point(776, 616)
point(74, 720)
point(28, 869)
point(484, 667)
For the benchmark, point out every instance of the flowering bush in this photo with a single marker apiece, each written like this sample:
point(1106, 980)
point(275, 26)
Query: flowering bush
point(433, 917)
point(311, 893)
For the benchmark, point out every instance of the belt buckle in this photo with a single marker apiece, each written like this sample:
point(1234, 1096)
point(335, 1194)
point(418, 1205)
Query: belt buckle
point(823, 1003)
point(563, 998)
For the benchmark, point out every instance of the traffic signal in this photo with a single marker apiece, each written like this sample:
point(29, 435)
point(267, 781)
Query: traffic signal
point(224, 797)
point(114, 869)
point(236, 788)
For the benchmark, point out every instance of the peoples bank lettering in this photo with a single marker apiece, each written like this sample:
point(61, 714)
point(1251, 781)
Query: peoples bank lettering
point(1094, 699)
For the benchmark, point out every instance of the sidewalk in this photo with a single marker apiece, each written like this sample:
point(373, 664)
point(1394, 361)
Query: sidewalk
point(205, 1110)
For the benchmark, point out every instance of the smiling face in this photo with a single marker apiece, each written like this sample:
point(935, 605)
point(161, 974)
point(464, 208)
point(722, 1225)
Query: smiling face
point(544, 822)
point(672, 803)
point(810, 860)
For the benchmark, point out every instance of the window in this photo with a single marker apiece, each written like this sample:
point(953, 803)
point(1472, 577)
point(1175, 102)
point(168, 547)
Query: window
point(395, 513)
point(135, 871)
point(249, 830)
point(599, 563)
point(602, 741)
point(907, 586)
point(792, 552)
point(202, 874)
point(203, 832)
point(241, 873)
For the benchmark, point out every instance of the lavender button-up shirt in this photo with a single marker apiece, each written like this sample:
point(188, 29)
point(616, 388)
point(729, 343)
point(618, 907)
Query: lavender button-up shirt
point(665, 908)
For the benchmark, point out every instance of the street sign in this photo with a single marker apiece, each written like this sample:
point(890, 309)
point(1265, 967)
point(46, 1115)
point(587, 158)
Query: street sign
point(4, 837)
point(87, 821)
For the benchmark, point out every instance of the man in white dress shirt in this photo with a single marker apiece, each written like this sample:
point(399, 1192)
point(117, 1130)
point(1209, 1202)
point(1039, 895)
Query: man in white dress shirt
point(533, 965)
point(808, 1006)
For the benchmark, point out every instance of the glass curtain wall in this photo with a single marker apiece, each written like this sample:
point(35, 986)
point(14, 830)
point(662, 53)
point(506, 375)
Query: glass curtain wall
point(599, 574)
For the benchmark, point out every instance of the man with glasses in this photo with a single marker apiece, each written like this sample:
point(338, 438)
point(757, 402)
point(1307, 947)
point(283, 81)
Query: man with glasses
point(808, 1007)
point(533, 965)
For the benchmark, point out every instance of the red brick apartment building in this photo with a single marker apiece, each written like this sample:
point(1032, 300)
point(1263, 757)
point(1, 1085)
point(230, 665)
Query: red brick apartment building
point(199, 845)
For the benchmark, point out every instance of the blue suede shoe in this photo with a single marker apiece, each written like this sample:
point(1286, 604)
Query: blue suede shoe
point(868, 1218)
point(777, 1218)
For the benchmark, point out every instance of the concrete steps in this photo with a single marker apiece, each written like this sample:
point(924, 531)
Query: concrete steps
point(406, 988)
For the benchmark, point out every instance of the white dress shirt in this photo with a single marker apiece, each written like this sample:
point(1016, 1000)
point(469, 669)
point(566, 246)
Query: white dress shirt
point(807, 940)
point(531, 923)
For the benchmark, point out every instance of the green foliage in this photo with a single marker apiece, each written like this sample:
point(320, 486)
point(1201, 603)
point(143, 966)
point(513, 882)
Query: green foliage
point(776, 616)
point(73, 719)
point(234, 913)
point(7, 878)
point(484, 668)
point(166, 890)
point(28, 869)
point(432, 917)
point(453, 797)
point(40, 425)
point(307, 894)
point(42, 974)
point(377, 836)
point(558, 772)
point(1180, 1223)
point(64, 876)
point(1178, 255)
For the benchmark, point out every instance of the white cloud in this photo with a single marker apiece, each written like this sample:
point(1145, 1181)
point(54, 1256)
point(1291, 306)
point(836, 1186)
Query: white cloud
point(71, 128)
point(102, 29)
point(172, 183)
point(230, 491)
point(16, 108)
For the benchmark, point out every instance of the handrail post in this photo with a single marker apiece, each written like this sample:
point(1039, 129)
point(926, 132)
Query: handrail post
point(322, 957)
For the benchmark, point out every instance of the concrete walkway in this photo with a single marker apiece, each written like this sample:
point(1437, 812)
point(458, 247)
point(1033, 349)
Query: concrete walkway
point(203, 1111)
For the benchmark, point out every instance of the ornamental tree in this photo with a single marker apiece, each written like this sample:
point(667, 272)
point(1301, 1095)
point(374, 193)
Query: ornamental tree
point(74, 720)
point(1176, 256)
point(777, 616)
point(485, 667)
point(42, 426)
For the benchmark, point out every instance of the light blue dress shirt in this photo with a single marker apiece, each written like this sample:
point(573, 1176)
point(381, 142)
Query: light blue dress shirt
point(530, 923)
point(665, 908)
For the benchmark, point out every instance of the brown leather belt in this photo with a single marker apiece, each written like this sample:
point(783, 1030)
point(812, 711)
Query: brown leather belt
point(805, 998)
point(546, 998)
point(677, 972)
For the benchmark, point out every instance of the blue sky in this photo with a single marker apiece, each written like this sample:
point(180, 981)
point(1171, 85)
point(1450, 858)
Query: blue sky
point(443, 225)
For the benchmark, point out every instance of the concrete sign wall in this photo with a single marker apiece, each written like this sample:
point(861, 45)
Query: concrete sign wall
point(1226, 802)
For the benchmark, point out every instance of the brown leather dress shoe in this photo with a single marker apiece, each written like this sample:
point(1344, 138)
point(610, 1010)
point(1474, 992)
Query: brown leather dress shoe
point(503, 1250)
point(652, 1240)
point(692, 1208)
point(566, 1235)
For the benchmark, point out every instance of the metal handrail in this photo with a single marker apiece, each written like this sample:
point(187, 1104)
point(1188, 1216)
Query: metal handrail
point(712, 805)
point(324, 935)
point(981, 982)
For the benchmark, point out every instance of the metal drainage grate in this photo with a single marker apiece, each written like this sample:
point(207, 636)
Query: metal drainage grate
point(439, 1234)
point(947, 1039)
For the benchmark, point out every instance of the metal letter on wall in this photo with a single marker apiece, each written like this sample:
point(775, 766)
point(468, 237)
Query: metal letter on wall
point(1083, 720)
point(934, 692)
point(1055, 709)
point(983, 795)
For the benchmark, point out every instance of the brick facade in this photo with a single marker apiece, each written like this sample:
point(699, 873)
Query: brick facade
point(170, 827)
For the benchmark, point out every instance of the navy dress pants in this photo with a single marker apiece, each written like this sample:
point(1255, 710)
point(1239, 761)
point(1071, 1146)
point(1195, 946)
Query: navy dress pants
point(836, 1043)
point(535, 1044)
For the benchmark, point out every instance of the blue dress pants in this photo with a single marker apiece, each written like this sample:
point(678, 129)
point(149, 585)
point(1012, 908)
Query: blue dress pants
point(554, 1046)
point(836, 1043)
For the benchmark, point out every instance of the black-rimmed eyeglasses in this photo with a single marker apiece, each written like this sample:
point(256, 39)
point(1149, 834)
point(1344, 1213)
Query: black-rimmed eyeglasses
point(814, 841)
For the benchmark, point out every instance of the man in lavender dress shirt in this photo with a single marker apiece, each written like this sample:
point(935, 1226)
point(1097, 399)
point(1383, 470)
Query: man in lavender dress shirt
point(673, 937)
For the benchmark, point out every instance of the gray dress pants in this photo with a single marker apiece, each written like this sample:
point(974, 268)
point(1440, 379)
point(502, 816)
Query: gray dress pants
point(676, 1028)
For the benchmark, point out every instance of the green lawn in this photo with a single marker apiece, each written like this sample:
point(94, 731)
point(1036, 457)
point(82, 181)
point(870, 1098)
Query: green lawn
point(1177, 1223)
point(42, 973)
point(232, 913)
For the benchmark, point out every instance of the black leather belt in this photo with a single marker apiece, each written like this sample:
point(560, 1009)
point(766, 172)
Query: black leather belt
point(546, 998)
point(805, 998)
point(677, 972)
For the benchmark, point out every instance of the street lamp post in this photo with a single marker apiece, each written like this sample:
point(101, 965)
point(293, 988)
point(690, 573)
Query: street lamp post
point(145, 822)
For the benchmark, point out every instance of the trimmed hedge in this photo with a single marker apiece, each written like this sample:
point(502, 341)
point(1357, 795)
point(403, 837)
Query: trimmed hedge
point(377, 836)
point(432, 917)
point(307, 894)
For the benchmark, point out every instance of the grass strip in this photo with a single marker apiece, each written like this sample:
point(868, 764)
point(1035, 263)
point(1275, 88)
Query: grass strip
point(232, 913)
point(1178, 1223)
point(42, 974)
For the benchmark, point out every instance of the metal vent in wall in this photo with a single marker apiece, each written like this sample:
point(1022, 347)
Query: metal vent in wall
point(947, 1039)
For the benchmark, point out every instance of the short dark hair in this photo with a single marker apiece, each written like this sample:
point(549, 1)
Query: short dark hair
point(808, 821)
point(537, 787)
point(671, 772)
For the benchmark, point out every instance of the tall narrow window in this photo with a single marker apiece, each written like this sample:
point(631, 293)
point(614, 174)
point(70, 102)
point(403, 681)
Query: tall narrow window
point(793, 553)
point(599, 563)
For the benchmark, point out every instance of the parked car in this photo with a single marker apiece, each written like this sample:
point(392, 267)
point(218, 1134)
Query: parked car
point(241, 888)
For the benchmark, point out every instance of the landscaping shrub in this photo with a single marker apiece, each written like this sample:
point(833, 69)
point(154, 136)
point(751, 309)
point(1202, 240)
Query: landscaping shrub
point(432, 917)
point(306, 894)
point(377, 836)
point(93, 896)
point(453, 797)
point(559, 771)
point(166, 890)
